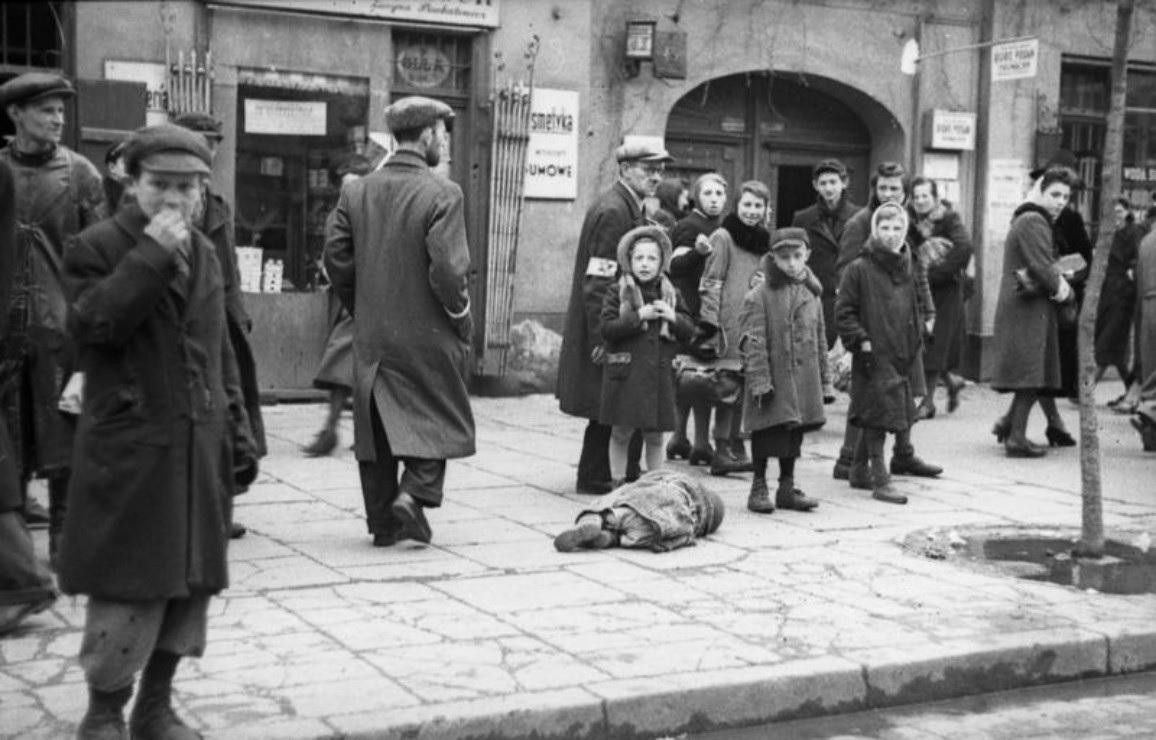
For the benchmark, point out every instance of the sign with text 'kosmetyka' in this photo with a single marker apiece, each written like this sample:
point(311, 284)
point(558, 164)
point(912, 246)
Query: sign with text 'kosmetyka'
point(1015, 60)
point(552, 152)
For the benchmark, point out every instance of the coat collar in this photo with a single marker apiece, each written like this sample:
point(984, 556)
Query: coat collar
point(632, 200)
point(406, 158)
point(776, 278)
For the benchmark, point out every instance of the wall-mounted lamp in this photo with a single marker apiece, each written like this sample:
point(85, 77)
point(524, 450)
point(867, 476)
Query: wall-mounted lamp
point(639, 44)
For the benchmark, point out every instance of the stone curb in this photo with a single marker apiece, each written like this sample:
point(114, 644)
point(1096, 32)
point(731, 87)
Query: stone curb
point(666, 706)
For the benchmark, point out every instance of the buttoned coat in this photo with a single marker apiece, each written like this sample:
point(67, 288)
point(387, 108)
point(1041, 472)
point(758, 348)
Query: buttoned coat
point(945, 279)
point(824, 230)
point(162, 423)
point(218, 226)
point(878, 303)
point(784, 350)
point(579, 389)
point(397, 257)
point(1026, 341)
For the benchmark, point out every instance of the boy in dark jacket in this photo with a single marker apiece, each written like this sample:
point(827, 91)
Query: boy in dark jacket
point(880, 322)
point(784, 350)
point(643, 320)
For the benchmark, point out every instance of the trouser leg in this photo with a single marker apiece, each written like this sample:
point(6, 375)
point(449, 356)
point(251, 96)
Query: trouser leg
point(379, 484)
point(634, 456)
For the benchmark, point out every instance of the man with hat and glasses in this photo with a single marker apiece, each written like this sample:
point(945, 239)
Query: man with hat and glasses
point(161, 441)
point(579, 391)
point(216, 222)
point(397, 257)
point(58, 193)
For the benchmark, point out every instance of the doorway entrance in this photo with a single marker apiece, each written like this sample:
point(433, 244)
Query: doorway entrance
point(771, 127)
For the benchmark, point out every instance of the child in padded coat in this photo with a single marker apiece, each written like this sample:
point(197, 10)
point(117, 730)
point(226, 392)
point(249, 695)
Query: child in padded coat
point(878, 316)
point(643, 321)
point(784, 349)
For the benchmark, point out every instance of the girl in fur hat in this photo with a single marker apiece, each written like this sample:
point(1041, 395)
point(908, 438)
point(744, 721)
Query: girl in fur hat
point(643, 320)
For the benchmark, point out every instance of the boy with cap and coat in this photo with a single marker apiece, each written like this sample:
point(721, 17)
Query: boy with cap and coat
point(216, 222)
point(579, 390)
point(824, 222)
point(58, 193)
point(396, 253)
point(161, 440)
point(784, 349)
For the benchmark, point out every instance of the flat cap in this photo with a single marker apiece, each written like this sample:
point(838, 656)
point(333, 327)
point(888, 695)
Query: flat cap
point(789, 236)
point(167, 148)
point(33, 86)
point(415, 112)
point(642, 152)
point(202, 123)
point(829, 165)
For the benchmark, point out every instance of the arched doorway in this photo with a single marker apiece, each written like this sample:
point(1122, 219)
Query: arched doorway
point(768, 126)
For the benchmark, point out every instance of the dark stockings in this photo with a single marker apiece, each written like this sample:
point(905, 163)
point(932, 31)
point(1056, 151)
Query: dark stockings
point(1021, 407)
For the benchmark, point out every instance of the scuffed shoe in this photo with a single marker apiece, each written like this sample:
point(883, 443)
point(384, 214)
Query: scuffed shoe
point(678, 448)
point(583, 536)
point(789, 498)
point(411, 517)
point(759, 500)
point(842, 470)
point(912, 465)
point(323, 444)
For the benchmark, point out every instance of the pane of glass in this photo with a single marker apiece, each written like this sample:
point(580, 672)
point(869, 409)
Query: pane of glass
point(1141, 89)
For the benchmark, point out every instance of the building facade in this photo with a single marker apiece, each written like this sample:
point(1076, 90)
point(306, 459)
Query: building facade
point(755, 89)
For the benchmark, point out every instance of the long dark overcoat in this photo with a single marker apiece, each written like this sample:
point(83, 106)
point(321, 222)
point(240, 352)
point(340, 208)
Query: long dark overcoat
point(397, 257)
point(162, 421)
point(218, 226)
point(638, 389)
point(878, 302)
point(616, 211)
point(946, 281)
point(1117, 310)
point(1146, 310)
point(824, 230)
point(58, 193)
point(1026, 340)
point(784, 350)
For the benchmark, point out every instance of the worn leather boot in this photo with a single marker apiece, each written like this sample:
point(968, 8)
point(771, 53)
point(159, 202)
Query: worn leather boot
point(678, 448)
point(859, 476)
point(759, 500)
point(723, 461)
point(152, 715)
point(739, 453)
point(881, 484)
point(913, 465)
point(104, 719)
point(789, 498)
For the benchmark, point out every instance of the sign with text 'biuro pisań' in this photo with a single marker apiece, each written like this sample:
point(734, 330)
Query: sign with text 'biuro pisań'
point(552, 152)
point(482, 13)
point(1015, 60)
point(950, 130)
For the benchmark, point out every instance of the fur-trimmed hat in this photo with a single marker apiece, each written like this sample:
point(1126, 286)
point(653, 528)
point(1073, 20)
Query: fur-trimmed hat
point(629, 294)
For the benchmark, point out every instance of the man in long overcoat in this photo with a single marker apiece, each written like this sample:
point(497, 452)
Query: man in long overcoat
point(579, 391)
point(58, 193)
point(397, 257)
point(217, 224)
point(161, 439)
point(824, 222)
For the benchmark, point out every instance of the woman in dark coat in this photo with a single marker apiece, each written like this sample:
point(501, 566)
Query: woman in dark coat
point(690, 239)
point(945, 247)
point(638, 382)
point(1117, 309)
point(1026, 338)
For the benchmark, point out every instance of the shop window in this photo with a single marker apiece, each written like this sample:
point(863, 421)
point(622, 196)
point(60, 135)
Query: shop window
point(1085, 89)
point(293, 130)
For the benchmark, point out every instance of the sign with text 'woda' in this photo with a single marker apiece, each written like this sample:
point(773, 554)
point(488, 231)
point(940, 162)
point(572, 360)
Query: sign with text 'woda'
point(552, 151)
point(1015, 60)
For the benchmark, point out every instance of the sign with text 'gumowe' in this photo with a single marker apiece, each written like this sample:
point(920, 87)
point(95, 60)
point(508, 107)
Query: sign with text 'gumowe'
point(552, 151)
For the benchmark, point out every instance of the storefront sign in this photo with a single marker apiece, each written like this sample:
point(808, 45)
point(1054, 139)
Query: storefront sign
point(286, 117)
point(152, 74)
point(1014, 60)
point(552, 152)
point(954, 130)
point(445, 12)
point(423, 66)
point(1139, 174)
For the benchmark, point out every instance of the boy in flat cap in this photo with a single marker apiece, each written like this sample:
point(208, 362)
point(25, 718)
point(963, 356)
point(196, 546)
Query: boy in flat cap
point(396, 253)
point(216, 222)
point(579, 390)
point(58, 193)
point(161, 440)
point(784, 351)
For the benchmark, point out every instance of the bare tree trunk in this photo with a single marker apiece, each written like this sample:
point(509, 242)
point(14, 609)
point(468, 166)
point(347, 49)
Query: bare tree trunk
point(1092, 535)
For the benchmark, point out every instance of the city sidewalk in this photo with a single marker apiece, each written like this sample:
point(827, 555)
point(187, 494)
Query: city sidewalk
point(491, 633)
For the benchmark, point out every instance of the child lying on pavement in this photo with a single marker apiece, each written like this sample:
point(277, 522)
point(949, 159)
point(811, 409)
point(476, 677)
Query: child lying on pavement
point(661, 511)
